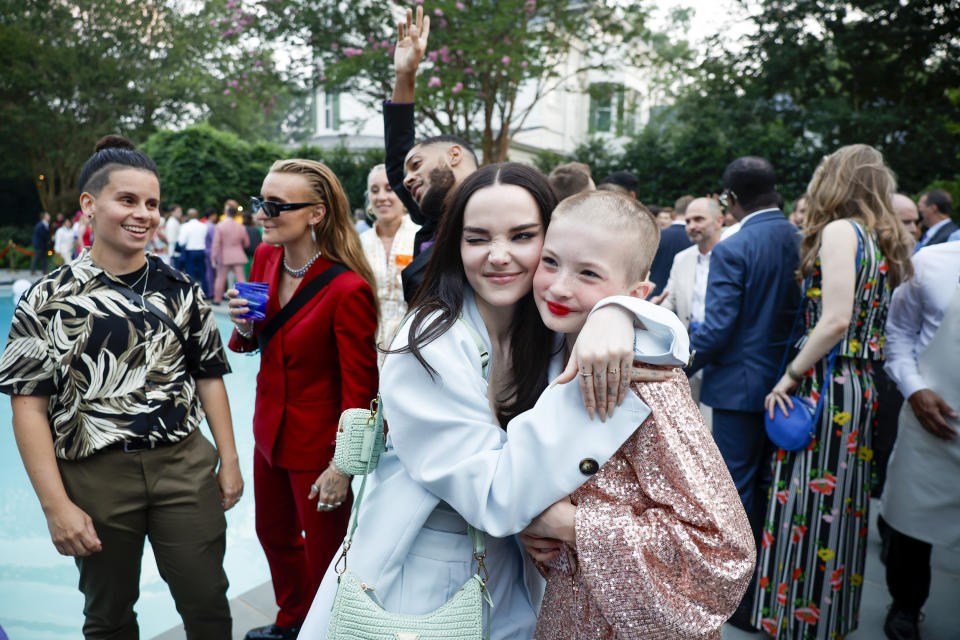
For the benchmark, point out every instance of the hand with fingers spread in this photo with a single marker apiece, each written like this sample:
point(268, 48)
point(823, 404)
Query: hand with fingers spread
point(411, 42)
point(330, 488)
point(601, 359)
point(780, 396)
point(932, 412)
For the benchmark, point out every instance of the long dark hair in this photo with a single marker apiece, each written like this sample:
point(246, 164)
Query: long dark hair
point(531, 343)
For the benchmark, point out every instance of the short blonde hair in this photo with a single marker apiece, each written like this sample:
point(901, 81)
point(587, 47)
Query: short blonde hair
point(626, 217)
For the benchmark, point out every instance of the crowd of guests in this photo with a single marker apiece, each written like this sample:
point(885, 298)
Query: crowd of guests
point(65, 236)
point(208, 248)
point(500, 315)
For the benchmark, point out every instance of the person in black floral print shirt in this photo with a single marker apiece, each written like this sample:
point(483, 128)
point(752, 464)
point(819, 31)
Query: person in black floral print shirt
point(111, 364)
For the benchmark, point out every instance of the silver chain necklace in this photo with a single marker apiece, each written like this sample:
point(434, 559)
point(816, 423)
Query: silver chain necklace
point(299, 273)
point(138, 280)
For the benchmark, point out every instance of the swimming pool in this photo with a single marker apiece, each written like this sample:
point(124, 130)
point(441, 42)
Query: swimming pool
point(39, 599)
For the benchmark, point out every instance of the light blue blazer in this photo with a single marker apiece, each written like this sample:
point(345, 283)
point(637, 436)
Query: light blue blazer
point(448, 463)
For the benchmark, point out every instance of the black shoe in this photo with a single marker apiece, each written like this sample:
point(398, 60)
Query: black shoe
point(272, 632)
point(741, 620)
point(902, 624)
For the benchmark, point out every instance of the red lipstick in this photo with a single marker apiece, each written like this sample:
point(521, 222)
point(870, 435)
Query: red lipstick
point(558, 309)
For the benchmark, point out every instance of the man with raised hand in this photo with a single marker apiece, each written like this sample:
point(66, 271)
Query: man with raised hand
point(420, 174)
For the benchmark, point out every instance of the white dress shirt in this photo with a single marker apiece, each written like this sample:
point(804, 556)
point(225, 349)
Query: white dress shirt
point(916, 311)
point(171, 230)
point(193, 235)
point(700, 286)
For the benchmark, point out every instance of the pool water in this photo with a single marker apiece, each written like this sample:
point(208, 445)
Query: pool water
point(39, 599)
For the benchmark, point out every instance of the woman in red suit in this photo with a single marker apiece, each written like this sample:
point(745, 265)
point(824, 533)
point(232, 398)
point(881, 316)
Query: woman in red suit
point(320, 362)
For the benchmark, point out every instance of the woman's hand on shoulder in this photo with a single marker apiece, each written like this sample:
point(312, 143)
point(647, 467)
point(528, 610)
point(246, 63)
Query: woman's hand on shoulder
point(601, 359)
point(238, 307)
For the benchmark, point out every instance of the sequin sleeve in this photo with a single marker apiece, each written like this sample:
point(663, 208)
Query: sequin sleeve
point(663, 542)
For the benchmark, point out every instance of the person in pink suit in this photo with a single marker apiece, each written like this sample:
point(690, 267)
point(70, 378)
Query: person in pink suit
point(230, 238)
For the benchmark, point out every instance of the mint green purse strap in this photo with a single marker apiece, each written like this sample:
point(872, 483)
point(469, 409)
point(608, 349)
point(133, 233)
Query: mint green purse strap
point(481, 347)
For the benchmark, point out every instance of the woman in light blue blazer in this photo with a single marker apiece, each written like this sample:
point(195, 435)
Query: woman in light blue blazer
point(490, 450)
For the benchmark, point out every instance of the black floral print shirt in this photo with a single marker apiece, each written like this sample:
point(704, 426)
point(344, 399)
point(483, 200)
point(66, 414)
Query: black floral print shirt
point(114, 372)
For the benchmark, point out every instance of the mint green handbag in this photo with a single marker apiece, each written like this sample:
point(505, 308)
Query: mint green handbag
point(359, 439)
point(357, 612)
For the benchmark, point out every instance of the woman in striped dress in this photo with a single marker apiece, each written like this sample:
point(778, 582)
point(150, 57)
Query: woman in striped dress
point(813, 547)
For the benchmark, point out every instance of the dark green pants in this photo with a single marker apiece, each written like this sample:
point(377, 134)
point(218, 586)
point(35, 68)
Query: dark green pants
point(171, 495)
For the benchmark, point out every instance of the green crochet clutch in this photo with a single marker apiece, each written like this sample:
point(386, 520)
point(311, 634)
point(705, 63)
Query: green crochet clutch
point(359, 439)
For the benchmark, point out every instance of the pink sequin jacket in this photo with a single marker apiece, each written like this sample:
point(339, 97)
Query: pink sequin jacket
point(663, 547)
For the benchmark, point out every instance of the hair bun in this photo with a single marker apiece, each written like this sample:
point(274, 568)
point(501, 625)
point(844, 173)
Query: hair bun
point(113, 141)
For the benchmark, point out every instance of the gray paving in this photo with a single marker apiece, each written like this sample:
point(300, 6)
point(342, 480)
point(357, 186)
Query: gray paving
point(8, 276)
point(257, 608)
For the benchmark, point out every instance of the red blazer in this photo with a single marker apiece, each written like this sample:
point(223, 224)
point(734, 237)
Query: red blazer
point(322, 361)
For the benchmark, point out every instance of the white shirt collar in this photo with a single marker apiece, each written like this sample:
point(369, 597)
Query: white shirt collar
point(932, 230)
point(756, 213)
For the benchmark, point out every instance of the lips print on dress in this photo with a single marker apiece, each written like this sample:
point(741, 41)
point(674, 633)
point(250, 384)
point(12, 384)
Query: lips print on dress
point(836, 579)
point(824, 485)
point(810, 614)
point(782, 593)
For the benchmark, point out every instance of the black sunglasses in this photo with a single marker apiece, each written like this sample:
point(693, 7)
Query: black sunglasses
point(273, 209)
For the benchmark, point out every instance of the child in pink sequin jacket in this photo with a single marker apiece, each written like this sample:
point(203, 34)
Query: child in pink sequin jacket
point(656, 543)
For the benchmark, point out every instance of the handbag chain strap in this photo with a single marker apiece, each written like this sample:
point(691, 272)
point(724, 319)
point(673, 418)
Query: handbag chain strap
point(831, 359)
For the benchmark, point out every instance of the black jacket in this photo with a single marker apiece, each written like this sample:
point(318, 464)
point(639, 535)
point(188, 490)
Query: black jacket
point(399, 137)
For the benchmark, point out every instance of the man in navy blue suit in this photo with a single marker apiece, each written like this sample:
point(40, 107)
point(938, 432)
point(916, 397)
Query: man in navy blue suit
point(752, 296)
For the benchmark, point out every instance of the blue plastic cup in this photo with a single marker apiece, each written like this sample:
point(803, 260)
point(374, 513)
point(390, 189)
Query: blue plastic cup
point(255, 293)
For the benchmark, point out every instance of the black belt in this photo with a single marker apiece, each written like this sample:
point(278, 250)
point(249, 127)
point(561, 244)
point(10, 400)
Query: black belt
point(134, 445)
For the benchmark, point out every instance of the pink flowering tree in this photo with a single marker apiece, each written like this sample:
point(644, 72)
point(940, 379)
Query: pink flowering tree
point(488, 62)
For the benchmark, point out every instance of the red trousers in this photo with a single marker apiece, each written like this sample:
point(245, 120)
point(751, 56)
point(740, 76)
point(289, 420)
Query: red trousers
point(298, 540)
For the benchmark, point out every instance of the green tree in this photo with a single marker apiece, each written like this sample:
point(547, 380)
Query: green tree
point(202, 167)
point(489, 61)
point(818, 74)
point(75, 71)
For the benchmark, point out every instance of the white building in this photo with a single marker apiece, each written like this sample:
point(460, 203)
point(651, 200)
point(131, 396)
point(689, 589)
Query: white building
point(612, 105)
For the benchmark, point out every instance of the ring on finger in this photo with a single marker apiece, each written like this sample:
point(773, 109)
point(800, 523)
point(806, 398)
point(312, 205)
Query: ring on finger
point(584, 374)
point(613, 371)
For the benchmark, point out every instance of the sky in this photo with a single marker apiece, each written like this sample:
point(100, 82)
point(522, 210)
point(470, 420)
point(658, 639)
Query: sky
point(710, 17)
